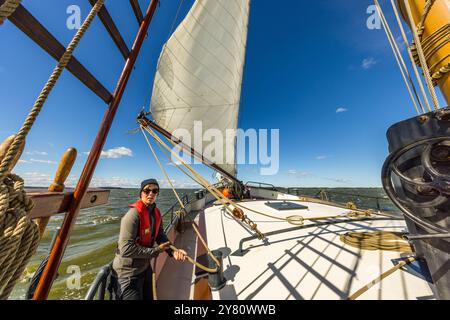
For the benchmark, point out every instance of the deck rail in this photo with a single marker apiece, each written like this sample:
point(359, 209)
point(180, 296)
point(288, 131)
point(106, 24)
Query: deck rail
point(173, 210)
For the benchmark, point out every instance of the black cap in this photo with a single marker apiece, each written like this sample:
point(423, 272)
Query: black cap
point(147, 182)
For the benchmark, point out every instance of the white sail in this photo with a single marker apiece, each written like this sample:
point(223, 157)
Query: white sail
point(199, 74)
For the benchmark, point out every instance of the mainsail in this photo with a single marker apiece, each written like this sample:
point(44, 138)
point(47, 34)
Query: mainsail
point(199, 74)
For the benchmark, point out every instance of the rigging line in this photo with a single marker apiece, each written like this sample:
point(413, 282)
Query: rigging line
point(295, 220)
point(180, 202)
point(202, 181)
point(163, 170)
point(175, 20)
point(211, 270)
point(237, 213)
point(398, 58)
point(426, 11)
point(412, 60)
point(411, 57)
point(422, 59)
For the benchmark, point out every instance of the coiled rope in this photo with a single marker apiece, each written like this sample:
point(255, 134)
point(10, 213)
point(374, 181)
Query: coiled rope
point(377, 240)
point(8, 8)
point(19, 235)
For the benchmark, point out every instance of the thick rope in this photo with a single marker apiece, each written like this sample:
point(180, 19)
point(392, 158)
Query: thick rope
point(381, 277)
point(378, 240)
point(426, 11)
point(8, 8)
point(19, 235)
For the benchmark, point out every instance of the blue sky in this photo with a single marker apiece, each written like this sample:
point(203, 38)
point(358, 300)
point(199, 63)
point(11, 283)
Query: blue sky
point(313, 70)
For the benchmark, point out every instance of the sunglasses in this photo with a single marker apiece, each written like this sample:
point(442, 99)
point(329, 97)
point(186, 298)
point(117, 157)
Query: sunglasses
point(147, 191)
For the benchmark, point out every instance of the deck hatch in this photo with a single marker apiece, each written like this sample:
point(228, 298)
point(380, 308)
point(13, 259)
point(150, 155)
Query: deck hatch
point(285, 205)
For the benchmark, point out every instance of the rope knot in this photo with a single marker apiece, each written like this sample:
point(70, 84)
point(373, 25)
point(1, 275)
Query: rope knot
point(19, 235)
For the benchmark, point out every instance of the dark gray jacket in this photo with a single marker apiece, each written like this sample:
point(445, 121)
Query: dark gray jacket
point(131, 258)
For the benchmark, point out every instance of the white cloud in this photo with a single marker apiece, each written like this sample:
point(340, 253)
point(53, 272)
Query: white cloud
point(339, 180)
point(321, 157)
point(341, 109)
point(37, 153)
point(368, 63)
point(36, 179)
point(42, 161)
point(115, 153)
point(24, 161)
point(299, 174)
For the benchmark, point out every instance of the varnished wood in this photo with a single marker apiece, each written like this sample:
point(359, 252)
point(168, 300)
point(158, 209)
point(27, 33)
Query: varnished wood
point(47, 204)
point(4, 147)
point(64, 168)
point(111, 27)
point(137, 10)
point(29, 25)
point(63, 236)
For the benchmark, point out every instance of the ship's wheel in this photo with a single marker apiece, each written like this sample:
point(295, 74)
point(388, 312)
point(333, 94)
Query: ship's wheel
point(423, 170)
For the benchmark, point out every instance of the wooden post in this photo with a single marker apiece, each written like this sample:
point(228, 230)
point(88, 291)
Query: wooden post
point(64, 168)
point(4, 147)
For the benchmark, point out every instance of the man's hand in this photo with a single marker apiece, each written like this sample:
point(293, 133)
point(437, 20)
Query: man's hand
point(179, 255)
point(164, 246)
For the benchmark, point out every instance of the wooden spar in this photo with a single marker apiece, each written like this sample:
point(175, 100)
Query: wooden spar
point(29, 25)
point(47, 204)
point(145, 122)
point(111, 27)
point(62, 238)
point(137, 10)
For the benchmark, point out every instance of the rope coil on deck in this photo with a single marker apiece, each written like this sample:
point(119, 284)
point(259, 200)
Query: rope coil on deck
point(7, 9)
point(377, 240)
point(19, 235)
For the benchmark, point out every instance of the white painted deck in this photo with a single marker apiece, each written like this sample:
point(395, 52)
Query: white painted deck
point(308, 263)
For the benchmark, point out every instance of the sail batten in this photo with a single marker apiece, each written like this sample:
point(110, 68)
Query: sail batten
point(199, 74)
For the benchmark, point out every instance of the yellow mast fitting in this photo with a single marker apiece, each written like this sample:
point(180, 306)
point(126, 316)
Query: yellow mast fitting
point(432, 21)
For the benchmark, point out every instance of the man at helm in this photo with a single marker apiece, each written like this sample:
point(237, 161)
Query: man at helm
point(141, 238)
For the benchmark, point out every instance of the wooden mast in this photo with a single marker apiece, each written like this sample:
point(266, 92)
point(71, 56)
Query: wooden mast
point(62, 238)
point(436, 46)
